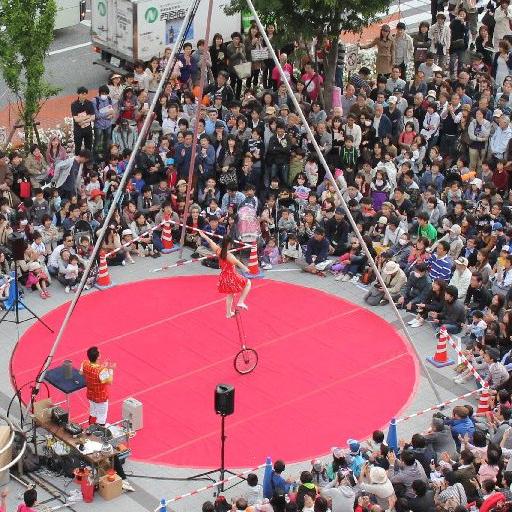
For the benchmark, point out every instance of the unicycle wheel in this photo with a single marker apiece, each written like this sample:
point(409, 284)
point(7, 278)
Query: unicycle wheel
point(245, 361)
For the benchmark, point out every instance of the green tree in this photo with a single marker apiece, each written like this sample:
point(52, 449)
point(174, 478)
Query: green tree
point(25, 37)
point(320, 19)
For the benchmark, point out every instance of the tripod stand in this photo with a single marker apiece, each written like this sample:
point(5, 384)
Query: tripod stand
point(222, 470)
point(207, 475)
point(18, 304)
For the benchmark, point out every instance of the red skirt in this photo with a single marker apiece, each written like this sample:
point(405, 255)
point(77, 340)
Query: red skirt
point(231, 282)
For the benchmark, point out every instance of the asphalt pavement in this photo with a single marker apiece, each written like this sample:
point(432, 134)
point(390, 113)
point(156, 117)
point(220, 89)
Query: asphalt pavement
point(70, 62)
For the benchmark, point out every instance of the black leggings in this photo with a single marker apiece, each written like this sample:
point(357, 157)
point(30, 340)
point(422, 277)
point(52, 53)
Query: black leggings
point(82, 136)
point(268, 66)
point(236, 84)
point(253, 79)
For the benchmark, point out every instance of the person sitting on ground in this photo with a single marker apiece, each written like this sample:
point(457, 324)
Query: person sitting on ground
point(317, 250)
point(440, 263)
point(394, 279)
point(452, 315)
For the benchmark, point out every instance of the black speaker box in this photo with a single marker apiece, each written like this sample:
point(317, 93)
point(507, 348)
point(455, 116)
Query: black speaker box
point(17, 245)
point(225, 399)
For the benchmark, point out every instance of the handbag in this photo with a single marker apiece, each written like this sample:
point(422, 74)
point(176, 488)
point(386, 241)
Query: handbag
point(367, 276)
point(420, 54)
point(457, 45)
point(25, 189)
point(259, 54)
point(243, 70)
point(12, 199)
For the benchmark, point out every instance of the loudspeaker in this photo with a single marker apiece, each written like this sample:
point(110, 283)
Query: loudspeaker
point(132, 411)
point(17, 244)
point(224, 399)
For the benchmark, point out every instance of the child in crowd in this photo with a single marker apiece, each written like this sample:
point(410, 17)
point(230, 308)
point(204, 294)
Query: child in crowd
point(39, 246)
point(292, 249)
point(71, 274)
point(29, 501)
point(37, 277)
point(94, 184)
point(253, 490)
point(270, 255)
point(311, 171)
point(301, 191)
point(85, 248)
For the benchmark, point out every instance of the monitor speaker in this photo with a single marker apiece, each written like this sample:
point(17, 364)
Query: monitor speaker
point(17, 244)
point(224, 399)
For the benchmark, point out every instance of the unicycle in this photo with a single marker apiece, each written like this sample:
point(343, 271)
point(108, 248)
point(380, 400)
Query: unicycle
point(247, 359)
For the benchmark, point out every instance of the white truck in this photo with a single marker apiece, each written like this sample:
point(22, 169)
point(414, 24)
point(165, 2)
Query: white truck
point(69, 13)
point(124, 31)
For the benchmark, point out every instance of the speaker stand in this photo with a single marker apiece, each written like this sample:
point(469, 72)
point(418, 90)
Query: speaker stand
point(222, 469)
point(207, 475)
point(15, 306)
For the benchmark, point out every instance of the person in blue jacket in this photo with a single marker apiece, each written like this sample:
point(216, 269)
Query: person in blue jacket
point(460, 424)
point(276, 483)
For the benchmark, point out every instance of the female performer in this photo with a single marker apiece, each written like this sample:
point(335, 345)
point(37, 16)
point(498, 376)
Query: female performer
point(230, 282)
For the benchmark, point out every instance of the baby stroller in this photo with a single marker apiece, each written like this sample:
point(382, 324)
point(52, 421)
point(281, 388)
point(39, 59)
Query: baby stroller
point(248, 225)
point(82, 228)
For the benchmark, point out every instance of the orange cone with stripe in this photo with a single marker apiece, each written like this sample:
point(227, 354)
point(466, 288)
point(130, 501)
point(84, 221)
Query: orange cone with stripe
point(483, 402)
point(167, 241)
point(440, 358)
point(254, 269)
point(103, 280)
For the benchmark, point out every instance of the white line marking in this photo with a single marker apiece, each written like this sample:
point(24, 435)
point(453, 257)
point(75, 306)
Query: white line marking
point(69, 48)
point(410, 20)
point(283, 270)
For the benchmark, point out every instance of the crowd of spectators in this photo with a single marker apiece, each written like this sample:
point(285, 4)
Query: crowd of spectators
point(420, 150)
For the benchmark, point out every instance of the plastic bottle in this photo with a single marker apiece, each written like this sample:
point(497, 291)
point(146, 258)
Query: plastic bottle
point(163, 505)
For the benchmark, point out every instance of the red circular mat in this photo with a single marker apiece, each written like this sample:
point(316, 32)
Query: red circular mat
point(328, 370)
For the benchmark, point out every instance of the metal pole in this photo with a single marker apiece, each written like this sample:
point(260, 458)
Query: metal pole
point(117, 197)
point(202, 79)
point(338, 192)
point(222, 448)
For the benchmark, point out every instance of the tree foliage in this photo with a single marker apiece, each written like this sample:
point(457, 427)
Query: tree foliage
point(25, 37)
point(317, 18)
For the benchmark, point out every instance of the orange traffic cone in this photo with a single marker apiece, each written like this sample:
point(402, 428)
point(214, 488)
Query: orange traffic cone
point(483, 402)
point(254, 269)
point(103, 280)
point(167, 241)
point(440, 358)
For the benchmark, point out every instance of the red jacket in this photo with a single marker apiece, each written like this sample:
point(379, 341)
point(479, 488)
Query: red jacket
point(492, 501)
point(500, 180)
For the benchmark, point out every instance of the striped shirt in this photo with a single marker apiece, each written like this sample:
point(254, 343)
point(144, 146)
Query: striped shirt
point(440, 268)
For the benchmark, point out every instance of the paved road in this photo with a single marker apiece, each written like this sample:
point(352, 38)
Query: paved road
point(70, 62)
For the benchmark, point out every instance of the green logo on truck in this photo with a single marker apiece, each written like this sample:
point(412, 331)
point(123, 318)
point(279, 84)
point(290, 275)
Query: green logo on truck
point(151, 15)
point(102, 9)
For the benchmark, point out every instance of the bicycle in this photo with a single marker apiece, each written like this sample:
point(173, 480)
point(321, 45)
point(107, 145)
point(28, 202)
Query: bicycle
point(247, 358)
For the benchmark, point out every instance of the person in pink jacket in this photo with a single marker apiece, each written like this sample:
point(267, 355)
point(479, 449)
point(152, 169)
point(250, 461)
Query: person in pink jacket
point(29, 500)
